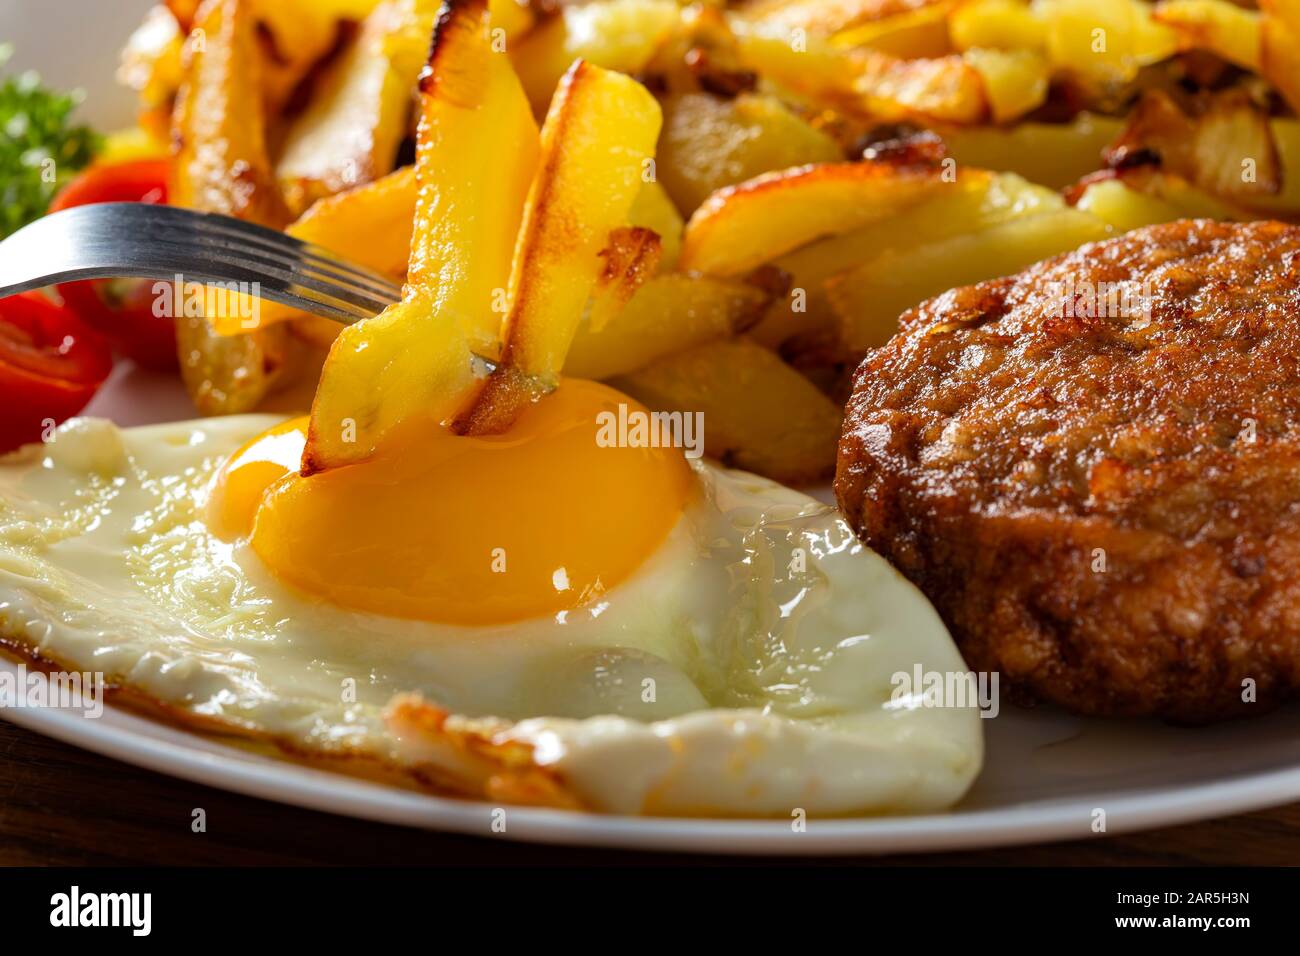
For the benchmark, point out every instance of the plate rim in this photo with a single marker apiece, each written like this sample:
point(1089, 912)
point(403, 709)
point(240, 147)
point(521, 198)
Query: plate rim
point(222, 766)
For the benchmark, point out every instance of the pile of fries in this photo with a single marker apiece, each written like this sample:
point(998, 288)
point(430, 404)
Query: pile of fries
point(716, 207)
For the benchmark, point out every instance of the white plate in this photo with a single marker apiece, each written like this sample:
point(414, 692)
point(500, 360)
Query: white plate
point(1046, 777)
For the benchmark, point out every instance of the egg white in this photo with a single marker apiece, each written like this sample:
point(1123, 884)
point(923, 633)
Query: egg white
point(728, 675)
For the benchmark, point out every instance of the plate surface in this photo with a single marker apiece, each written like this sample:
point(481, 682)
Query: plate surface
point(1046, 777)
point(1047, 774)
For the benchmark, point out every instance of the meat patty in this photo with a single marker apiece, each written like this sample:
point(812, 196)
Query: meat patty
point(1092, 469)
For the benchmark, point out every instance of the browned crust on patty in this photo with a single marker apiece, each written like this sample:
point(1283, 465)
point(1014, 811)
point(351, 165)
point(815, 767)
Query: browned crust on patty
point(997, 450)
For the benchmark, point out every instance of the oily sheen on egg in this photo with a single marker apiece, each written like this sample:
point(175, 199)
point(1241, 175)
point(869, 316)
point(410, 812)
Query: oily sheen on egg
point(742, 667)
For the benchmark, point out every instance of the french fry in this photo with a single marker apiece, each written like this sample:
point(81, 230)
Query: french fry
point(1228, 150)
point(477, 151)
point(709, 142)
point(945, 89)
point(1286, 202)
point(975, 202)
point(1149, 195)
point(151, 60)
point(1218, 26)
point(470, 200)
point(869, 299)
point(349, 133)
point(741, 227)
point(370, 225)
point(809, 66)
point(294, 37)
point(1280, 47)
point(1015, 81)
point(513, 17)
point(668, 314)
point(1105, 41)
point(829, 17)
point(1123, 207)
point(220, 164)
point(220, 161)
point(630, 257)
point(913, 34)
point(617, 35)
point(597, 143)
point(997, 25)
point(1051, 154)
point(656, 212)
point(759, 414)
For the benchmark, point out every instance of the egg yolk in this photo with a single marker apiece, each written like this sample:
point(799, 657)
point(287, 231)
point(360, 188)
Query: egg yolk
point(461, 530)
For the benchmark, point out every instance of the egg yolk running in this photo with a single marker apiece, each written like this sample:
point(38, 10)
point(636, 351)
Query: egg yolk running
point(473, 531)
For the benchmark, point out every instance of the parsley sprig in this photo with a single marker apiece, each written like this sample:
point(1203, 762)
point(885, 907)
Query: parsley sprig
point(40, 147)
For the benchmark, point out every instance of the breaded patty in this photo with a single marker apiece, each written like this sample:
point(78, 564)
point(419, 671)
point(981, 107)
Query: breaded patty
point(1105, 508)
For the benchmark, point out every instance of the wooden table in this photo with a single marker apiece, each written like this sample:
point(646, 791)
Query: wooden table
point(62, 805)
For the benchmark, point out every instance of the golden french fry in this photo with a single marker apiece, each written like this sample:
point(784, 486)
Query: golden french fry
point(1280, 47)
point(829, 17)
point(1051, 154)
point(476, 154)
point(370, 225)
point(870, 298)
point(513, 17)
point(220, 164)
point(220, 161)
point(913, 34)
point(349, 133)
point(977, 200)
point(807, 66)
point(709, 142)
point(618, 35)
point(1105, 40)
point(668, 314)
point(630, 257)
point(597, 143)
point(653, 210)
point(759, 414)
point(1122, 207)
point(1144, 196)
point(741, 227)
point(151, 60)
point(297, 36)
point(1218, 26)
point(946, 89)
point(1015, 81)
point(997, 25)
point(1228, 149)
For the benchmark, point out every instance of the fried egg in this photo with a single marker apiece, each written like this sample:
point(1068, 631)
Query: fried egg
point(532, 617)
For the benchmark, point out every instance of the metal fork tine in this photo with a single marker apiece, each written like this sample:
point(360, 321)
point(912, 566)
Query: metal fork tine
point(262, 271)
point(159, 242)
point(295, 250)
point(283, 248)
point(285, 269)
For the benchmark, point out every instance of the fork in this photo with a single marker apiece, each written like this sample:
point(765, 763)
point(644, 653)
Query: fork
point(140, 240)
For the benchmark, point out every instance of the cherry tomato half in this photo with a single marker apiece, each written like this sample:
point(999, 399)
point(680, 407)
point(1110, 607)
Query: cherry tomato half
point(51, 365)
point(122, 309)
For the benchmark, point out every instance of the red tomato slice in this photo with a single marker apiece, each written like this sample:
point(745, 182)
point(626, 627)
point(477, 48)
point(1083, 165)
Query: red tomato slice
point(51, 365)
point(122, 309)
